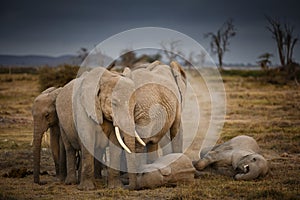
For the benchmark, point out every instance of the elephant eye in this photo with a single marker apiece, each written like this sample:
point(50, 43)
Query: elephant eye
point(47, 115)
point(115, 102)
point(254, 159)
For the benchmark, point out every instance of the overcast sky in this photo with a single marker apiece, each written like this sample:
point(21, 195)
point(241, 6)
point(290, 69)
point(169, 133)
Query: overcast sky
point(63, 27)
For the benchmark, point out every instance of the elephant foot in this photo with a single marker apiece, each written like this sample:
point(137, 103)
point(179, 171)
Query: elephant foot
point(86, 185)
point(70, 180)
point(61, 178)
point(130, 187)
point(42, 182)
point(112, 184)
point(98, 175)
point(199, 165)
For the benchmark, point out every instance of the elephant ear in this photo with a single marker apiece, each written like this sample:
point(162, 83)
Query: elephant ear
point(178, 71)
point(237, 156)
point(48, 90)
point(153, 65)
point(54, 93)
point(127, 73)
point(89, 94)
point(180, 78)
point(165, 171)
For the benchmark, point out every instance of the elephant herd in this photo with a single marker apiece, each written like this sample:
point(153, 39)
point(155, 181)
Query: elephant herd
point(127, 113)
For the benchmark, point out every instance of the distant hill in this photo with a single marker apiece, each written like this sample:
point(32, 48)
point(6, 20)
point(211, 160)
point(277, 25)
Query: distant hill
point(36, 60)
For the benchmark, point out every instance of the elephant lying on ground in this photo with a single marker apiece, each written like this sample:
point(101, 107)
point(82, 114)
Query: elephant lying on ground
point(168, 170)
point(45, 117)
point(238, 157)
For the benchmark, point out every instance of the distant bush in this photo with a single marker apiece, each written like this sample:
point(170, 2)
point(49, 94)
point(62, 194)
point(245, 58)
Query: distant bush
point(284, 74)
point(244, 73)
point(18, 70)
point(279, 75)
point(57, 76)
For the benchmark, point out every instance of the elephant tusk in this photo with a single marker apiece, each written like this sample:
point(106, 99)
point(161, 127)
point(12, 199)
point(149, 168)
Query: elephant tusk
point(139, 139)
point(246, 168)
point(120, 140)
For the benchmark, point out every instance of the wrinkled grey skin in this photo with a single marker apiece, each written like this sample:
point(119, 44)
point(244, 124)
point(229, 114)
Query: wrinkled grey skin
point(168, 170)
point(44, 118)
point(238, 157)
point(160, 91)
point(84, 108)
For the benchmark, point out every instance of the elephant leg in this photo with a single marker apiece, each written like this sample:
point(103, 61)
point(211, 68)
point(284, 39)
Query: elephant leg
point(71, 166)
point(98, 168)
point(87, 180)
point(71, 160)
point(201, 164)
point(152, 152)
point(62, 161)
point(78, 164)
point(115, 156)
point(55, 146)
point(99, 152)
point(208, 159)
point(176, 136)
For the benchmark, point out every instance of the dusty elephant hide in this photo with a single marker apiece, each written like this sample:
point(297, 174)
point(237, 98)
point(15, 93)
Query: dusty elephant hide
point(167, 170)
point(239, 157)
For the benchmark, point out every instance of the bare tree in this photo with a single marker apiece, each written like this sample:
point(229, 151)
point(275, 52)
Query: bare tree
point(220, 40)
point(82, 54)
point(197, 59)
point(264, 61)
point(201, 57)
point(128, 58)
point(171, 49)
point(283, 35)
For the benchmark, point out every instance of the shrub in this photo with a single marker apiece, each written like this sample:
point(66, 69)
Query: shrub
point(57, 76)
point(17, 70)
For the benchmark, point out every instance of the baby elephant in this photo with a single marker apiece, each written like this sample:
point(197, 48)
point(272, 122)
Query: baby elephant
point(238, 157)
point(166, 171)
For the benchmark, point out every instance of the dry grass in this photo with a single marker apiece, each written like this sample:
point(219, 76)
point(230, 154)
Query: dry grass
point(269, 113)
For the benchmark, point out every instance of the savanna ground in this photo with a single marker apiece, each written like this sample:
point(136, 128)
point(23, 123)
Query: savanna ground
point(269, 113)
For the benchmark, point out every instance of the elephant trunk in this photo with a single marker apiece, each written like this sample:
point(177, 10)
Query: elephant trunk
point(253, 173)
point(131, 161)
point(37, 140)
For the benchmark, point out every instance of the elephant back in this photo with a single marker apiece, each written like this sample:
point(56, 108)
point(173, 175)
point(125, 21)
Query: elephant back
point(244, 142)
point(160, 75)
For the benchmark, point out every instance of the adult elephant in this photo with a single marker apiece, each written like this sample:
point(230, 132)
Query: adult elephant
point(238, 157)
point(95, 110)
point(160, 91)
point(44, 118)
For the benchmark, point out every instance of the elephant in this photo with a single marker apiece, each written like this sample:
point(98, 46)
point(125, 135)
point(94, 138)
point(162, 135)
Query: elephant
point(44, 118)
point(168, 170)
point(94, 111)
point(239, 157)
point(160, 91)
